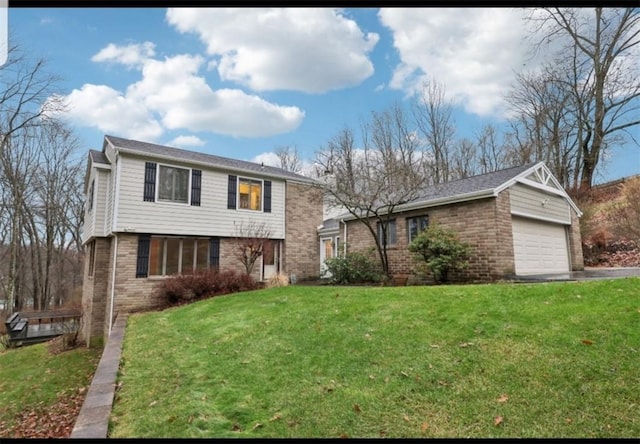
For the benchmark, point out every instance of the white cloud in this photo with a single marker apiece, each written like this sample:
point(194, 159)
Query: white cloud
point(131, 55)
point(171, 94)
point(475, 52)
point(312, 50)
point(185, 141)
point(108, 110)
point(270, 159)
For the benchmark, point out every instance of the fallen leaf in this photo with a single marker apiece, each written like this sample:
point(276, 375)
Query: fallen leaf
point(424, 426)
point(344, 436)
point(404, 374)
point(406, 418)
point(275, 418)
point(257, 426)
point(236, 427)
point(152, 403)
point(356, 408)
point(568, 420)
point(383, 433)
point(437, 346)
point(587, 342)
point(466, 344)
point(497, 420)
point(503, 398)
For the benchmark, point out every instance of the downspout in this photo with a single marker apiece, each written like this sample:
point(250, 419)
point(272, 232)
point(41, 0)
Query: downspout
point(113, 282)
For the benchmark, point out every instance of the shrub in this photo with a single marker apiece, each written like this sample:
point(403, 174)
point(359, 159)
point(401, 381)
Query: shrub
point(183, 288)
point(352, 268)
point(278, 280)
point(441, 250)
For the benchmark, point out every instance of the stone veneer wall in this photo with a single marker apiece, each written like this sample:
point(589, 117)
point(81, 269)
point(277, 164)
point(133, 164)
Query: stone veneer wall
point(485, 224)
point(303, 215)
point(575, 243)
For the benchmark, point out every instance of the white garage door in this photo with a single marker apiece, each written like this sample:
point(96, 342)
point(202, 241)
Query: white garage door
point(539, 247)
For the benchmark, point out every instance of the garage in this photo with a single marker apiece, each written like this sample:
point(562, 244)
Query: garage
point(539, 247)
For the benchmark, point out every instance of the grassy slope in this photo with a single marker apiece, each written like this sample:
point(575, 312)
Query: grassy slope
point(507, 360)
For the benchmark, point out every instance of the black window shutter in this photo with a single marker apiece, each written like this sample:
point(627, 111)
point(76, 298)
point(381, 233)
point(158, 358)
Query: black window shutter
point(142, 267)
point(267, 196)
point(214, 252)
point(149, 181)
point(196, 184)
point(231, 200)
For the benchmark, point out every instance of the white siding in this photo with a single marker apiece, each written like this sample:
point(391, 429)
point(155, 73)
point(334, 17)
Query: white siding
point(94, 219)
point(108, 219)
point(527, 201)
point(211, 218)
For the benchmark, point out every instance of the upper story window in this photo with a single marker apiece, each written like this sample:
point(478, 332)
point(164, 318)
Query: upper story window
point(391, 232)
point(173, 184)
point(415, 225)
point(250, 194)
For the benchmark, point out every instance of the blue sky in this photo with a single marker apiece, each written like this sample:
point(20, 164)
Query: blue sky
point(242, 83)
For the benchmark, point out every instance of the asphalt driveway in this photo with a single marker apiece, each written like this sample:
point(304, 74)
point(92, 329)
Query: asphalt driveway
point(589, 273)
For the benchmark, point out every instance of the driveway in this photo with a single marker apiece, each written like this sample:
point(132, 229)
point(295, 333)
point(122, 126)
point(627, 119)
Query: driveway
point(589, 273)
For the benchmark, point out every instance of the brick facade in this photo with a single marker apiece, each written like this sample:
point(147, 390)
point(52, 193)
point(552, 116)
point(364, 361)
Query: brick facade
point(303, 215)
point(575, 244)
point(485, 224)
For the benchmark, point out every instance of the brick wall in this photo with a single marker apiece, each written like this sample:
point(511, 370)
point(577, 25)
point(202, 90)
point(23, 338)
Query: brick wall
point(575, 243)
point(94, 290)
point(485, 224)
point(303, 214)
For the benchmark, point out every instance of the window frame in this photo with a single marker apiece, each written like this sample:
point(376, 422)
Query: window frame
point(163, 251)
point(159, 167)
point(395, 233)
point(420, 217)
point(92, 259)
point(92, 191)
point(251, 181)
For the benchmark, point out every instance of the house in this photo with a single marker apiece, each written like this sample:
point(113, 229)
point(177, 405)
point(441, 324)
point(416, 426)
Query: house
point(154, 210)
point(518, 221)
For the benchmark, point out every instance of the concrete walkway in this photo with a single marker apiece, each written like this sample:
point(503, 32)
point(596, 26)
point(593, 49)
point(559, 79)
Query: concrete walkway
point(589, 273)
point(93, 420)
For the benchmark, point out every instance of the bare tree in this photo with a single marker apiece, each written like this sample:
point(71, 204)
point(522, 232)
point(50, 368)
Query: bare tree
point(464, 161)
point(289, 158)
point(491, 156)
point(371, 181)
point(251, 238)
point(433, 117)
point(602, 54)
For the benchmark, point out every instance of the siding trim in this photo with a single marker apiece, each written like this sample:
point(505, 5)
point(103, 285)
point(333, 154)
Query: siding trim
point(542, 218)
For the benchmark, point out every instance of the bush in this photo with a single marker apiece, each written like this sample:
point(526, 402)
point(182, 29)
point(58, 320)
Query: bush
point(202, 284)
point(352, 268)
point(441, 250)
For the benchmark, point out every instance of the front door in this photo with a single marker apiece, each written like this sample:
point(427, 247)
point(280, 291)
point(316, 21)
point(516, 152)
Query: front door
point(327, 251)
point(270, 259)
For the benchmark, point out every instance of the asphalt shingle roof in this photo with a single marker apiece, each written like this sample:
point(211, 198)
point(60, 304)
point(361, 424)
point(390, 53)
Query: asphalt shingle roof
point(488, 181)
point(98, 157)
point(152, 149)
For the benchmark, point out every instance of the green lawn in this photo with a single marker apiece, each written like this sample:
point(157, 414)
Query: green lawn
point(32, 378)
point(506, 360)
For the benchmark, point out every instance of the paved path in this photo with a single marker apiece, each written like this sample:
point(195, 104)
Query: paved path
point(93, 420)
point(589, 273)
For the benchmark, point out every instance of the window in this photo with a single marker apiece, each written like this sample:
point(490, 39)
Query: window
point(250, 194)
point(391, 232)
point(91, 193)
point(173, 184)
point(171, 255)
point(415, 225)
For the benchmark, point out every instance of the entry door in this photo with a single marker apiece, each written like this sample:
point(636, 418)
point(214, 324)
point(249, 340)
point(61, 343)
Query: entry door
point(327, 251)
point(270, 259)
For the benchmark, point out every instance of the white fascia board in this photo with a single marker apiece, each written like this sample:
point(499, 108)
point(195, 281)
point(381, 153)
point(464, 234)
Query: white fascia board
point(542, 218)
